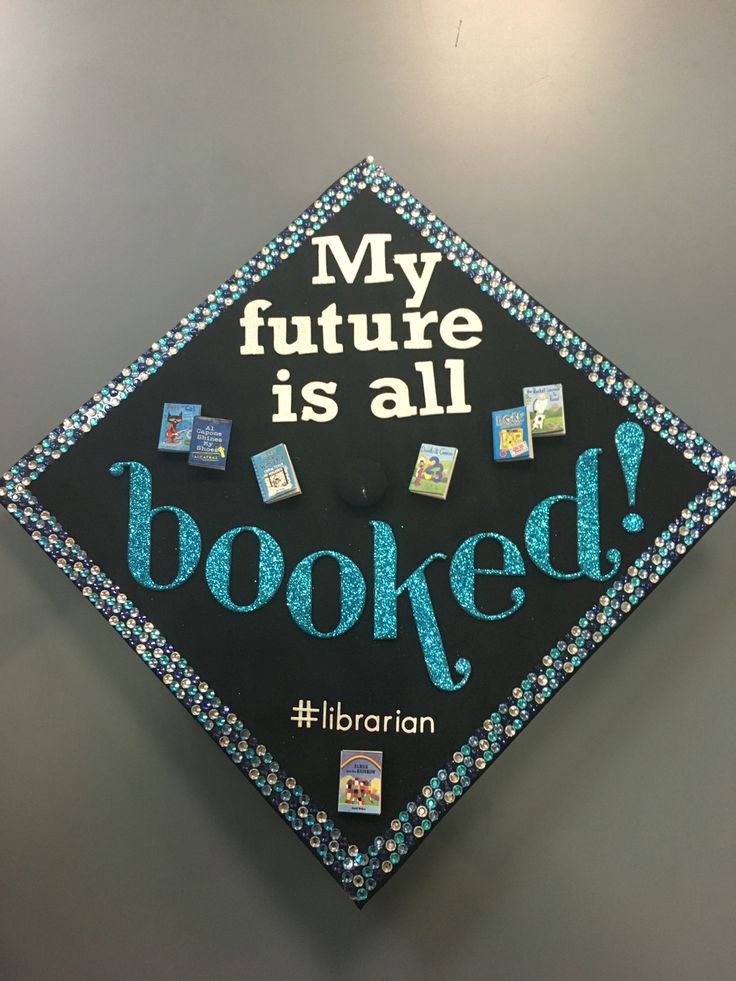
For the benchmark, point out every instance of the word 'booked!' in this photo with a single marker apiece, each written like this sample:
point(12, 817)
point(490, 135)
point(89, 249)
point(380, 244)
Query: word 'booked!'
point(463, 568)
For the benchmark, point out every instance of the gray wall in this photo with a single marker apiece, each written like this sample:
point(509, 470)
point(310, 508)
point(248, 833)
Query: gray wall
point(148, 147)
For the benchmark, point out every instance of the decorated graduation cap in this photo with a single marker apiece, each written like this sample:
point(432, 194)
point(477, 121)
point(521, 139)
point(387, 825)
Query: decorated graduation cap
point(357, 613)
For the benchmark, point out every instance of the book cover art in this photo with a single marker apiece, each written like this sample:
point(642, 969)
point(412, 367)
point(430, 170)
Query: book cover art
point(210, 440)
point(433, 470)
point(511, 435)
point(546, 409)
point(360, 781)
point(275, 474)
point(176, 426)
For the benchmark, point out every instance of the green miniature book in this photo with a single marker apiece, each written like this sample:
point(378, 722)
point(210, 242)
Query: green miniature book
point(546, 410)
point(433, 470)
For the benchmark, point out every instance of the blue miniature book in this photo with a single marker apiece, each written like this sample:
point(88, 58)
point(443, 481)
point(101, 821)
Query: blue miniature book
point(176, 426)
point(210, 440)
point(275, 474)
point(511, 434)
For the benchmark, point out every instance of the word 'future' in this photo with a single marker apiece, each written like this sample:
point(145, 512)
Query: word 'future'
point(459, 329)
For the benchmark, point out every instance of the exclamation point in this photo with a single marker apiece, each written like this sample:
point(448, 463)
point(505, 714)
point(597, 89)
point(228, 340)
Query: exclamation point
point(629, 438)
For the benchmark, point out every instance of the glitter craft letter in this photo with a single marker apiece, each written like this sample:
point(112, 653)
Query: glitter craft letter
point(139, 529)
point(537, 532)
point(386, 593)
point(463, 571)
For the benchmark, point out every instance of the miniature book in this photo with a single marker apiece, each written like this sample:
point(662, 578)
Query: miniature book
point(511, 433)
point(275, 474)
point(176, 426)
point(210, 439)
point(360, 781)
point(546, 409)
point(433, 470)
